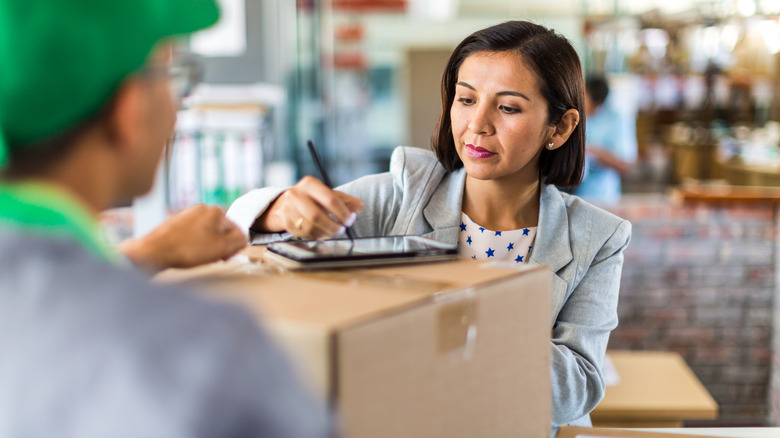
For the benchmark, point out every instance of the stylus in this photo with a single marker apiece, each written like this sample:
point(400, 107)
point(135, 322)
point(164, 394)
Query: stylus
point(324, 177)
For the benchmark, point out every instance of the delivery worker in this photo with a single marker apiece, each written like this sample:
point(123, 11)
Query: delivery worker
point(89, 347)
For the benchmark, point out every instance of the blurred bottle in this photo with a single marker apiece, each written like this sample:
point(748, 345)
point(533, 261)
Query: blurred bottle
point(253, 161)
point(212, 179)
point(183, 178)
point(232, 158)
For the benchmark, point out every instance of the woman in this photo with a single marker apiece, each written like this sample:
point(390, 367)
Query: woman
point(510, 131)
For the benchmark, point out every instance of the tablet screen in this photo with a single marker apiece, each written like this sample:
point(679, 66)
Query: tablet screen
point(362, 248)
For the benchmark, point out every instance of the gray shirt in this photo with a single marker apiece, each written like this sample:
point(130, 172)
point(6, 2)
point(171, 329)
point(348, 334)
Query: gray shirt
point(92, 350)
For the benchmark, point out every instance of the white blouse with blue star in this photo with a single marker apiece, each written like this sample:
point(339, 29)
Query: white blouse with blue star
point(477, 242)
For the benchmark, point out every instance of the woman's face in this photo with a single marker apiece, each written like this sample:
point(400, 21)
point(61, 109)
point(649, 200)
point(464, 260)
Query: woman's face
point(499, 118)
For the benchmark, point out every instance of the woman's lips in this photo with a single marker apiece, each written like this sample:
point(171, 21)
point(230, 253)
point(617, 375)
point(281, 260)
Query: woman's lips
point(478, 152)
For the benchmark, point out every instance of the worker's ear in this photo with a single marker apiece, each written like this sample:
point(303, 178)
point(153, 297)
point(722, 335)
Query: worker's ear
point(128, 112)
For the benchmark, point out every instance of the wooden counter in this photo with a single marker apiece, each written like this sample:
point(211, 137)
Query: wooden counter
point(656, 389)
point(686, 432)
point(724, 193)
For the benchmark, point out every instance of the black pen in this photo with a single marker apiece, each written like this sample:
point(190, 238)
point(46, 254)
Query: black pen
point(324, 177)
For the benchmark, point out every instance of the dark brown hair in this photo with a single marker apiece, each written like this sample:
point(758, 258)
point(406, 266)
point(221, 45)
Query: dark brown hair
point(35, 158)
point(559, 73)
point(597, 89)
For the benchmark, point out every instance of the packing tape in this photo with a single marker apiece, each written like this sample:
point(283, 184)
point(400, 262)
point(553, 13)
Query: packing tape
point(457, 323)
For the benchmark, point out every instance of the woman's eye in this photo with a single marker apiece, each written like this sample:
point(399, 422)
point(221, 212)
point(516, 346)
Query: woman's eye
point(508, 109)
point(466, 101)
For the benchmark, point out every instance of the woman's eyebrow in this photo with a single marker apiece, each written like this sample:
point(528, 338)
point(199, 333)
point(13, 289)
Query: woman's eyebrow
point(500, 93)
point(466, 84)
point(513, 93)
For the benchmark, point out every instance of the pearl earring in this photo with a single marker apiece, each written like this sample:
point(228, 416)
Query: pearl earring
point(550, 145)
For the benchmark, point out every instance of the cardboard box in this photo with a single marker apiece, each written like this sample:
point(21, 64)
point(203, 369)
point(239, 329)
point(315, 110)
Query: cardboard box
point(455, 349)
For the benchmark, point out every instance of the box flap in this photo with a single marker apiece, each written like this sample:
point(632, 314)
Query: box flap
point(336, 298)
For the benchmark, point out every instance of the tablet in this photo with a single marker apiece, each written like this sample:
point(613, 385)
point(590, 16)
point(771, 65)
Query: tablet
point(364, 251)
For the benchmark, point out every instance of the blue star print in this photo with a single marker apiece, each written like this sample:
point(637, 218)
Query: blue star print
point(492, 245)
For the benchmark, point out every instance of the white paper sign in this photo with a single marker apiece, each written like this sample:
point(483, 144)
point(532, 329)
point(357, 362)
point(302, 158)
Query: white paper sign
point(228, 36)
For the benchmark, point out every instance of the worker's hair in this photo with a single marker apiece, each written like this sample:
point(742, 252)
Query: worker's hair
point(30, 159)
point(597, 89)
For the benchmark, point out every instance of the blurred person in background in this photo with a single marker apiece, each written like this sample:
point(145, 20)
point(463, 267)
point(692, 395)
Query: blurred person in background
point(610, 145)
point(89, 347)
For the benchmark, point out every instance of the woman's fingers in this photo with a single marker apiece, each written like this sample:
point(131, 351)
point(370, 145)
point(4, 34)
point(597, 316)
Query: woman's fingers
point(354, 205)
point(310, 209)
point(329, 200)
point(306, 218)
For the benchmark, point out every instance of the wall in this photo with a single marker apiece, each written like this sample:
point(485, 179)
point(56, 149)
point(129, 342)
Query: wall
point(423, 92)
point(266, 43)
point(700, 279)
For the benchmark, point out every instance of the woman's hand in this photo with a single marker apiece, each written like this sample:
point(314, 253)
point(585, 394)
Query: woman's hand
point(310, 210)
point(195, 236)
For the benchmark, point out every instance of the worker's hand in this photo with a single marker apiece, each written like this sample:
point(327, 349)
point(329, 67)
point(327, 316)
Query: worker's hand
point(310, 210)
point(192, 237)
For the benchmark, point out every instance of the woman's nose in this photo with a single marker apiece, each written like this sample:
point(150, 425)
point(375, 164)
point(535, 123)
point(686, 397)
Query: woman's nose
point(480, 122)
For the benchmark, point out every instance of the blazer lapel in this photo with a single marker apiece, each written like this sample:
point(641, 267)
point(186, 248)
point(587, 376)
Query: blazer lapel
point(443, 210)
point(552, 245)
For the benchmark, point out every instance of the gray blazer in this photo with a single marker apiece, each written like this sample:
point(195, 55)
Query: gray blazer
point(582, 245)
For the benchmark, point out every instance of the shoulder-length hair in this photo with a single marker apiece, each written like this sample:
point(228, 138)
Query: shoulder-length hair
point(559, 74)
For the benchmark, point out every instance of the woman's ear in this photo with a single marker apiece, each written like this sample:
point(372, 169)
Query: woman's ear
point(563, 130)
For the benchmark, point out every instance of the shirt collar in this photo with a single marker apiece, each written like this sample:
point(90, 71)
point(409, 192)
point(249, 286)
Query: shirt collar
point(43, 208)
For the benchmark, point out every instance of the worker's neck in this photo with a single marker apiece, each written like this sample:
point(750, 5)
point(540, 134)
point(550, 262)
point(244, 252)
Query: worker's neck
point(89, 172)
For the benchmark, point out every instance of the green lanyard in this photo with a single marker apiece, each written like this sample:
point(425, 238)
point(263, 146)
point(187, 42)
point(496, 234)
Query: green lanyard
point(44, 209)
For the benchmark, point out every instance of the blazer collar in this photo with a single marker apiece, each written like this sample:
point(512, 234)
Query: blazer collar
point(552, 245)
point(443, 210)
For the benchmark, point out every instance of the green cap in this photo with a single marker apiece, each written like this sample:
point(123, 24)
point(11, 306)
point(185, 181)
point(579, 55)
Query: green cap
point(61, 60)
